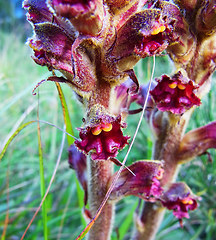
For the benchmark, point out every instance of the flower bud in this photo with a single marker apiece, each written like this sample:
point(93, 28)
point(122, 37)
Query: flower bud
point(86, 16)
point(206, 18)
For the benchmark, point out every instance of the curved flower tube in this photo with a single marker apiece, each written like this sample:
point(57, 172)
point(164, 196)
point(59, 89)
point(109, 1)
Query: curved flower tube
point(144, 184)
point(196, 142)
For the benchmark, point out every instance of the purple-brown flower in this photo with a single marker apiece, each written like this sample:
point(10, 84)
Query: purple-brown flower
point(144, 184)
point(175, 94)
point(86, 15)
point(196, 142)
point(77, 161)
point(180, 199)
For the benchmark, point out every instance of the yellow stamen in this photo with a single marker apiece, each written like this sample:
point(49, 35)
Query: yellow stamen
point(32, 46)
point(107, 127)
point(96, 131)
point(172, 85)
point(158, 30)
point(160, 174)
point(187, 201)
point(181, 87)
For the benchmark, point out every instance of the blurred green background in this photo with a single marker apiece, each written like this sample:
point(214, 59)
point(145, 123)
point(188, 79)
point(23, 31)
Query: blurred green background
point(20, 170)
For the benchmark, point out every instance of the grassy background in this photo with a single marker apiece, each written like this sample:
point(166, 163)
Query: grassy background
point(19, 169)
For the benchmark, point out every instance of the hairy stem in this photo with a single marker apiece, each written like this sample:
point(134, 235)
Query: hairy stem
point(165, 149)
point(100, 173)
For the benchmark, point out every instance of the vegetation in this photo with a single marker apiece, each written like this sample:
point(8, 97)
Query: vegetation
point(20, 181)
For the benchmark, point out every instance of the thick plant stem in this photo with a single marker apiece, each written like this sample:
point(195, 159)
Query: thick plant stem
point(165, 149)
point(99, 175)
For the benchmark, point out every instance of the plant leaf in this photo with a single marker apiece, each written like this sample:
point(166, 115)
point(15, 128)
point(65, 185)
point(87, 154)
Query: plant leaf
point(19, 129)
point(66, 115)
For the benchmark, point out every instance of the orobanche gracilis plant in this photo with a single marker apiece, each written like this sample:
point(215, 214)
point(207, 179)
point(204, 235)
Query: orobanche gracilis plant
point(95, 44)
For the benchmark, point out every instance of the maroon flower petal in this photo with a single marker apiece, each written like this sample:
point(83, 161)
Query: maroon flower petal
point(180, 199)
point(123, 10)
point(144, 184)
point(197, 142)
point(38, 11)
point(52, 47)
point(86, 15)
point(150, 32)
point(175, 94)
point(141, 42)
point(183, 42)
point(103, 139)
point(77, 161)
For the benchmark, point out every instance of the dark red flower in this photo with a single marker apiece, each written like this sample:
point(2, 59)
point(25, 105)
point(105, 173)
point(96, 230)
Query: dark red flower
point(148, 36)
point(103, 138)
point(175, 94)
point(180, 199)
point(144, 184)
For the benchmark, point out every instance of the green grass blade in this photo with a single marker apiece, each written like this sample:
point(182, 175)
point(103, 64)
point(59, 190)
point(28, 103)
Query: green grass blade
point(66, 115)
point(42, 184)
point(70, 140)
point(13, 136)
point(6, 222)
point(80, 196)
point(123, 229)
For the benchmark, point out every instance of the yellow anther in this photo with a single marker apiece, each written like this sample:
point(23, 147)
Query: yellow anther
point(160, 174)
point(96, 130)
point(32, 46)
point(158, 30)
point(172, 85)
point(107, 127)
point(187, 201)
point(181, 87)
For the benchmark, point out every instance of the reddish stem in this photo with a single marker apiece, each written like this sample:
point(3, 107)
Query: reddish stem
point(165, 149)
point(100, 173)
